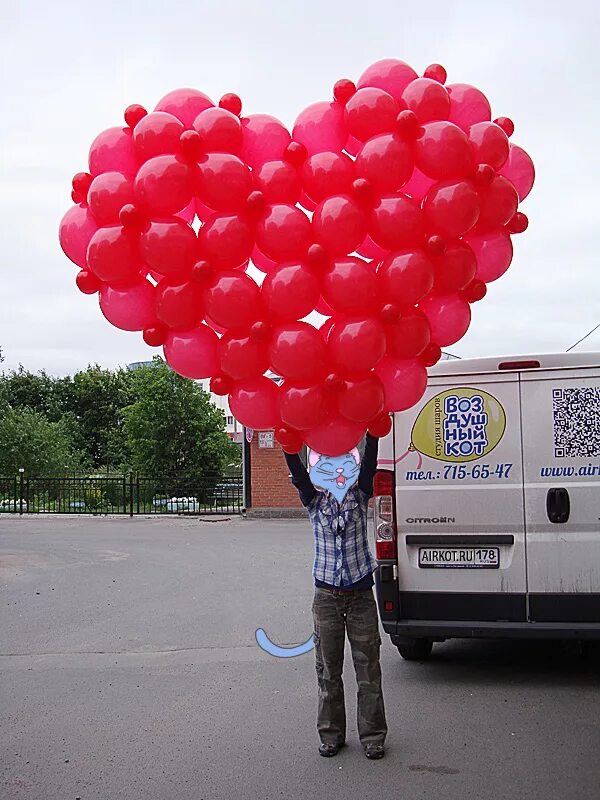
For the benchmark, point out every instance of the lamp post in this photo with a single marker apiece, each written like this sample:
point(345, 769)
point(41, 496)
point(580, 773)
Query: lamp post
point(21, 482)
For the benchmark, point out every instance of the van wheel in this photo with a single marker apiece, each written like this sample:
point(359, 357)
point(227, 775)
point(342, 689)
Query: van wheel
point(415, 649)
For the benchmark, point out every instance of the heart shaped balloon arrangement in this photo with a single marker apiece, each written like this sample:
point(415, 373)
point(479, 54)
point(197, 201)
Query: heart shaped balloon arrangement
point(387, 211)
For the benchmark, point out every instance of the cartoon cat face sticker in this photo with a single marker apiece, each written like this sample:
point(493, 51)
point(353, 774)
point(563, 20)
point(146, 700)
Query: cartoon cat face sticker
point(335, 474)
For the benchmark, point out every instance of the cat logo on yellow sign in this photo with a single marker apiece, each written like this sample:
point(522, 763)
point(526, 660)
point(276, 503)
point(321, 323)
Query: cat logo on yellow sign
point(458, 425)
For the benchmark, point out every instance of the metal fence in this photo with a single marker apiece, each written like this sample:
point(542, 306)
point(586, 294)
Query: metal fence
point(124, 494)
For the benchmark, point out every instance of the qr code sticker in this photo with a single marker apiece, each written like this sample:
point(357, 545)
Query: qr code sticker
point(576, 422)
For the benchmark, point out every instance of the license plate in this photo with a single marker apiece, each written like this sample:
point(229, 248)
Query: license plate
point(459, 557)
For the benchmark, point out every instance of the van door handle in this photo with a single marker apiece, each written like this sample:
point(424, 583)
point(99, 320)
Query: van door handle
point(558, 505)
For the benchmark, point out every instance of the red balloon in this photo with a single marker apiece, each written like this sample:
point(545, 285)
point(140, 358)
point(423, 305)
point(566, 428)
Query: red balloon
point(351, 287)
point(185, 104)
point(442, 152)
point(261, 262)
point(278, 181)
point(449, 316)
point(87, 282)
point(499, 203)
point(226, 241)
point(283, 233)
point(179, 303)
point(75, 232)
point(157, 134)
point(321, 128)
point(455, 268)
point(494, 252)
point(404, 382)
point(223, 182)
point(297, 353)
point(405, 277)
point(326, 174)
point(289, 292)
point(519, 170)
point(361, 401)
point(356, 345)
point(418, 185)
point(112, 256)
point(396, 223)
point(220, 131)
point(489, 144)
point(304, 408)
point(389, 74)
point(233, 300)
point(336, 436)
point(380, 426)
point(253, 402)
point(339, 225)
point(428, 99)
point(451, 209)
point(112, 151)
point(386, 161)
point(410, 335)
point(370, 112)
point(264, 139)
point(192, 353)
point(241, 357)
point(169, 246)
point(468, 105)
point(290, 441)
point(130, 308)
point(107, 195)
point(368, 249)
point(163, 186)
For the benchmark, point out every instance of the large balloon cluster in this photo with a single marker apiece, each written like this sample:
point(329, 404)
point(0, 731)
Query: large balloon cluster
point(387, 211)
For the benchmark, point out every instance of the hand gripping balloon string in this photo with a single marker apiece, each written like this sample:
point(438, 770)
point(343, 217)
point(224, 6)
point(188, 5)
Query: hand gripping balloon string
point(288, 651)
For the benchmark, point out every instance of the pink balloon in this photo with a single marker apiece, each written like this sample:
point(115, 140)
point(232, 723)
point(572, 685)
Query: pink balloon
point(203, 211)
point(449, 317)
point(193, 353)
point(306, 202)
point(404, 382)
point(113, 151)
point(131, 309)
point(389, 74)
point(519, 170)
point(76, 229)
point(336, 436)
point(418, 185)
point(261, 261)
point(494, 252)
point(320, 128)
point(189, 212)
point(185, 104)
point(254, 403)
point(265, 139)
point(353, 145)
point(369, 249)
point(468, 105)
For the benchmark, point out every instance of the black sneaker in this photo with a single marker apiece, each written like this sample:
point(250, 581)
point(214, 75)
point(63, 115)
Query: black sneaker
point(328, 749)
point(374, 751)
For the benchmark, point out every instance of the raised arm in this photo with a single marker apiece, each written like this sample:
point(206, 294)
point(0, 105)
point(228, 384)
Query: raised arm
point(369, 465)
point(300, 478)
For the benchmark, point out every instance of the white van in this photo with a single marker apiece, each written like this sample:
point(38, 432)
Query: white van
point(487, 504)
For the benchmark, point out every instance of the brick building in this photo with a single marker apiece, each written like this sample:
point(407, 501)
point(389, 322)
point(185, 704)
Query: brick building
point(271, 493)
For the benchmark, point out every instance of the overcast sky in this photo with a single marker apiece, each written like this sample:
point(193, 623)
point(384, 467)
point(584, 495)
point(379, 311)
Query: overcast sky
point(70, 69)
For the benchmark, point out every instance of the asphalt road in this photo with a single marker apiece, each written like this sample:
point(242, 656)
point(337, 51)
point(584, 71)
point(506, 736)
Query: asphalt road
point(129, 670)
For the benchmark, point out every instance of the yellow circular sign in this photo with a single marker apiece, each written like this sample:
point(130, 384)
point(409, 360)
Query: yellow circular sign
point(459, 425)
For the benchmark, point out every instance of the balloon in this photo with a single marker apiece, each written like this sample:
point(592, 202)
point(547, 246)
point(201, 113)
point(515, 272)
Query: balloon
point(232, 300)
point(179, 303)
point(169, 246)
point(326, 174)
point(370, 112)
point(261, 262)
point(297, 353)
point(405, 277)
point(131, 309)
point(449, 317)
point(304, 408)
point(157, 134)
point(389, 74)
point(75, 232)
point(353, 145)
point(283, 233)
point(321, 128)
point(442, 152)
point(112, 151)
point(289, 292)
point(455, 268)
point(339, 225)
point(189, 212)
point(112, 257)
point(489, 144)
point(241, 357)
point(163, 185)
point(185, 104)
point(220, 131)
point(223, 182)
point(334, 437)
point(264, 139)
point(87, 282)
point(278, 181)
point(494, 252)
point(356, 345)
point(253, 402)
point(404, 382)
point(519, 170)
point(192, 353)
point(306, 202)
point(369, 249)
point(397, 222)
point(467, 105)
point(410, 335)
point(386, 161)
point(428, 99)
point(351, 287)
point(380, 426)
point(451, 209)
point(361, 401)
point(418, 185)
point(290, 441)
point(107, 195)
point(499, 203)
point(226, 240)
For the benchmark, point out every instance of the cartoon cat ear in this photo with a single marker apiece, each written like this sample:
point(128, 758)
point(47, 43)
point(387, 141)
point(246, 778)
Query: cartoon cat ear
point(354, 452)
point(313, 457)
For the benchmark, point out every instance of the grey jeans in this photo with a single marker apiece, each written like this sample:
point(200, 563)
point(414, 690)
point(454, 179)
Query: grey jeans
point(334, 614)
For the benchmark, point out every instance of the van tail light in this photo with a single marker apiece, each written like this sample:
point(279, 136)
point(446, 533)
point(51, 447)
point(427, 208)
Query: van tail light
point(384, 515)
